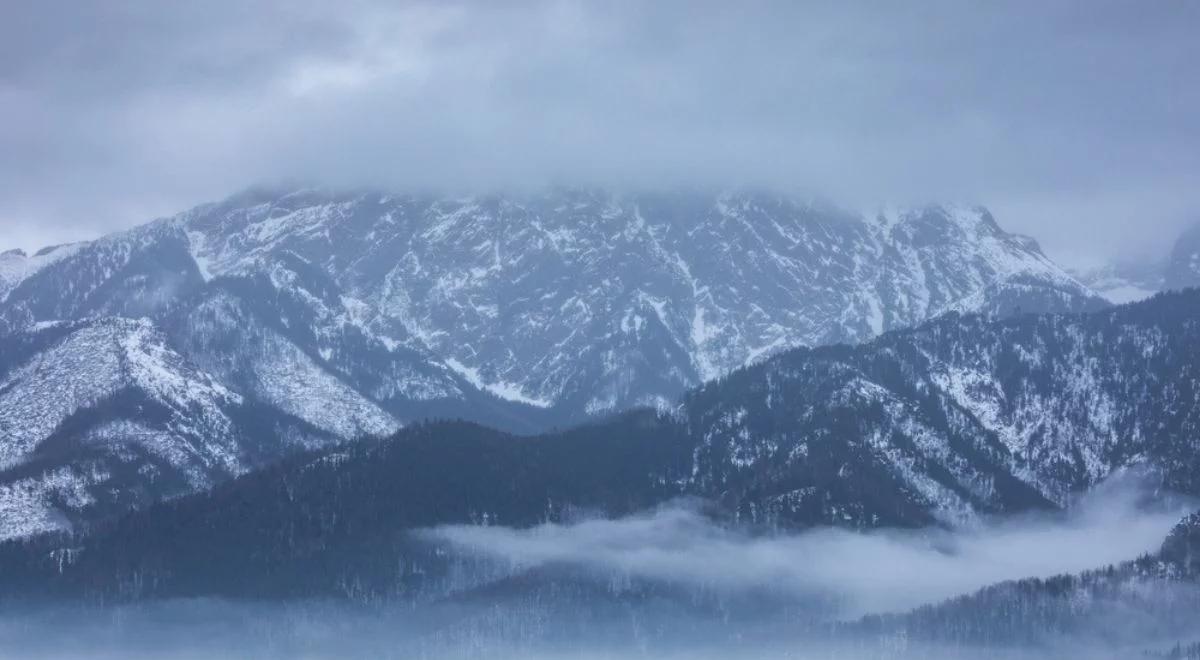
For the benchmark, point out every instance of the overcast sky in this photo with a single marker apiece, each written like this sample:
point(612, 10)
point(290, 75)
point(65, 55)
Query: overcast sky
point(1078, 123)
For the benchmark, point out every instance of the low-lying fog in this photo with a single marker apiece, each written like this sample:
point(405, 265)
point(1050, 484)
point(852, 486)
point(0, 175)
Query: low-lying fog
point(870, 572)
point(849, 573)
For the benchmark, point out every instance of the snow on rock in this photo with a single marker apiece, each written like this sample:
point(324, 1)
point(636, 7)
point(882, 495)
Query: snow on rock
point(571, 299)
point(120, 367)
point(293, 382)
point(36, 397)
point(28, 505)
point(961, 416)
point(516, 293)
point(506, 391)
point(95, 361)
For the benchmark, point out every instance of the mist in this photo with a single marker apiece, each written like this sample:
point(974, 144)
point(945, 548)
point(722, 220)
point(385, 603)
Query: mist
point(671, 583)
point(209, 630)
point(865, 572)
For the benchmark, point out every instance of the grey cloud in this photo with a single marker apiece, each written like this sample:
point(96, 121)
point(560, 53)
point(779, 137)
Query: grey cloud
point(116, 112)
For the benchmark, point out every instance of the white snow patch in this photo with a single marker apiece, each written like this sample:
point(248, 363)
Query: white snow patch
point(506, 391)
point(874, 314)
point(198, 248)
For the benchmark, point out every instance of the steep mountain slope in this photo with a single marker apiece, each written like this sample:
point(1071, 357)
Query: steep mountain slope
point(149, 272)
point(584, 302)
point(281, 332)
point(101, 414)
point(597, 302)
point(284, 360)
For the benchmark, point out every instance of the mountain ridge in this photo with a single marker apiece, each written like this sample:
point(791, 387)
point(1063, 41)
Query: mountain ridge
point(353, 314)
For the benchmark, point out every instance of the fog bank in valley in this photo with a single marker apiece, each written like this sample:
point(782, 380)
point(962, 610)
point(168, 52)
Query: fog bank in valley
point(579, 590)
point(868, 572)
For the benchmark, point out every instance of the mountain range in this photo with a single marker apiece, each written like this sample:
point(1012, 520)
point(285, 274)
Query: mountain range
point(169, 357)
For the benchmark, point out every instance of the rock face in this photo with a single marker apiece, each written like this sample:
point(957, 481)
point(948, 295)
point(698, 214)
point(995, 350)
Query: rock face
point(351, 315)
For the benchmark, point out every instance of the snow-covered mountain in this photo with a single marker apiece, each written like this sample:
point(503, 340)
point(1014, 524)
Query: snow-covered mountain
point(354, 314)
point(594, 302)
point(581, 301)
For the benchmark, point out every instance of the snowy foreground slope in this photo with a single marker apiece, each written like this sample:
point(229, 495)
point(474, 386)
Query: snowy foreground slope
point(351, 315)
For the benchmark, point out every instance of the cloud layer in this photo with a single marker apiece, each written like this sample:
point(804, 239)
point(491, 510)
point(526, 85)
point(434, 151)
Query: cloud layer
point(874, 572)
point(1076, 123)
